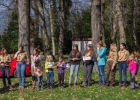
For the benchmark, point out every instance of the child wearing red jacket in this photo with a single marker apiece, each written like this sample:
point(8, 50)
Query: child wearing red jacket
point(132, 68)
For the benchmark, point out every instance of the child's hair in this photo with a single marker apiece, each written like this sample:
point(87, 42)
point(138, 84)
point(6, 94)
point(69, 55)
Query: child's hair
point(137, 55)
point(100, 43)
point(113, 47)
point(49, 58)
point(132, 55)
point(61, 57)
point(3, 51)
point(37, 51)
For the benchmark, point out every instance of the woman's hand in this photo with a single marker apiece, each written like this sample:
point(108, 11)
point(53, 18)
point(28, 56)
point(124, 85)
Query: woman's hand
point(112, 68)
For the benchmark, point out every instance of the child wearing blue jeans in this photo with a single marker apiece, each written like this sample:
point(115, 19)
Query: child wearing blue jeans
point(101, 61)
point(49, 69)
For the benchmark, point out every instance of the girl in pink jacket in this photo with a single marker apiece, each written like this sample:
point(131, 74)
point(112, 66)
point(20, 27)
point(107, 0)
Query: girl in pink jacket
point(132, 68)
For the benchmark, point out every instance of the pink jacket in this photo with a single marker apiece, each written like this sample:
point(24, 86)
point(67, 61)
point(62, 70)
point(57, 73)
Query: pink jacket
point(132, 66)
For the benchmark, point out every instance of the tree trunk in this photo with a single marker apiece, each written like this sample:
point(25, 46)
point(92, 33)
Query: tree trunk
point(120, 22)
point(43, 26)
point(62, 25)
point(52, 26)
point(24, 24)
point(102, 20)
point(96, 22)
point(133, 17)
point(114, 23)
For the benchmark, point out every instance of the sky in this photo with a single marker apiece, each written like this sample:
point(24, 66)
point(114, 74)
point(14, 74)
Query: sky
point(81, 4)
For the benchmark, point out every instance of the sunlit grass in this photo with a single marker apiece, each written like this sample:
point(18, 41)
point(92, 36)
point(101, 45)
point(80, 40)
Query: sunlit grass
point(73, 93)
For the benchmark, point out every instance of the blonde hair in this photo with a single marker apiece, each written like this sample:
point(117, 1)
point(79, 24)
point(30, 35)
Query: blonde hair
point(49, 58)
point(113, 47)
point(137, 55)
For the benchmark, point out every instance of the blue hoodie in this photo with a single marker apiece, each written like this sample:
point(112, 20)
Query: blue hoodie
point(101, 61)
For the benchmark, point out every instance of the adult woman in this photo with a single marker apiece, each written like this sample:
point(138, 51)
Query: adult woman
point(22, 58)
point(88, 65)
point(5, 59)
point(111, 64)
point(123, 55)
point(35, 63)
point(101, 61)
point(75, 57)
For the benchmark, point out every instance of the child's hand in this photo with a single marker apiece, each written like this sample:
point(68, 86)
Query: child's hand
point(133, 75)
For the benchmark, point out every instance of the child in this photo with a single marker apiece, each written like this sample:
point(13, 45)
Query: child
point(37, 69)
point(132, 68)
point(61, 66)
point(111, 64)
point(88, 66)
point(4, 61)
point(49, 66)
point(123, 55)
point(101, 61)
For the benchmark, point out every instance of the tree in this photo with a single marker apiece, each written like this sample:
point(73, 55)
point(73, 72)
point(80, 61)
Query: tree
point(43, 26)
point(52, 23)
point(96, 21)
point(64, 12)
point(133, 17)
point(24, 24)
point(120, 22)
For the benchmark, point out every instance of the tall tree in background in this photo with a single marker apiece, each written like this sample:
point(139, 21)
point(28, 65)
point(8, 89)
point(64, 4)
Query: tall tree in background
point(102, 20)
point(43, 25)
point(52, 13)
point(24, 24)
point(133, 17)
point(120, 22)
point(114, 23)
point(64, 11)
point(96, 21)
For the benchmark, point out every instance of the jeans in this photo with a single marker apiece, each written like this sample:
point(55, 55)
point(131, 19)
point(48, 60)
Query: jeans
point(74, 67)
point(39, 82)
point(20, 67)
point(101, 77)
point(5, 70)
point(50, 77)
point(122, 66)
point(87, 73)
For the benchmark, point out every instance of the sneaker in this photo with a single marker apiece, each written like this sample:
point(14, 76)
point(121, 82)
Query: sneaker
point(62, 87)
point(69, 85)
point(132, 89)
point(4, 87)
point(84, 84)
point(100, 84)
point(124, 85)
point(21, 87)
point(119, 85)
point(10, 87)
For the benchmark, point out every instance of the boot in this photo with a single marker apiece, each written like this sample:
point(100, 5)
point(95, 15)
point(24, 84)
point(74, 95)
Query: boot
point(52, 85)
point(33, 84)
point(48, 86)
point(84, 84)
point(38, 85)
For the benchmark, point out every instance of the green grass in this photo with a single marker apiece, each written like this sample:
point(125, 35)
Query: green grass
point(73, 93)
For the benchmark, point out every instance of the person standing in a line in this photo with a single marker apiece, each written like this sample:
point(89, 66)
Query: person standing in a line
point(22, 60)
point(5, 59)
point(75, 57)
point(101, 61)
point(123, 55)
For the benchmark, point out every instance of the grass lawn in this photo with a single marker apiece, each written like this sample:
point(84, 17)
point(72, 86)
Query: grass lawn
point(73, 93)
